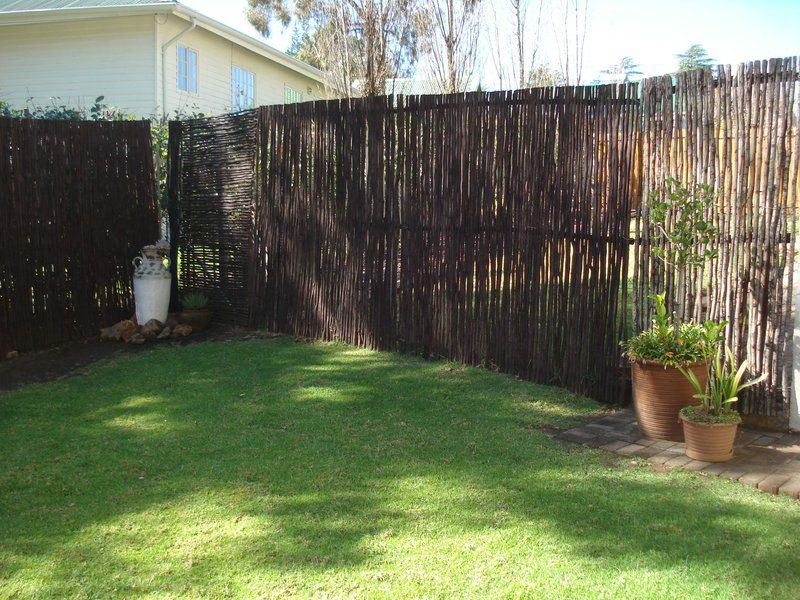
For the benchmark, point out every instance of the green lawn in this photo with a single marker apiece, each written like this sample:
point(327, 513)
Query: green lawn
point(269, 468)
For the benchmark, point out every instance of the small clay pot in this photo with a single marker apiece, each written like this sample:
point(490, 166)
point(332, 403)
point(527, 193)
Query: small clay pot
point(198, 318)
point(709, 442)
point(659, 394)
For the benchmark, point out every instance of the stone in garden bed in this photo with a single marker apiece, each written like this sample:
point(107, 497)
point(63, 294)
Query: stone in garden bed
point(181, 331)
point(151, 329)
point(131, 332)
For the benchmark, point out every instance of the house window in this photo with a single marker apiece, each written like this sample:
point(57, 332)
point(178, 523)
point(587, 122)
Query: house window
point(243, 89)
point(291, 95)
point(187, 70)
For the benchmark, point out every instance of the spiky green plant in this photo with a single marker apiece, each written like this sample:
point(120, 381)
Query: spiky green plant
point(195, 301)
point(725, 383)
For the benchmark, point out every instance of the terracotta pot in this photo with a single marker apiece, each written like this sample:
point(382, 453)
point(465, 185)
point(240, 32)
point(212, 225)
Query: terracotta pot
point(659, 394)
point(709, 442)
point(198, 318)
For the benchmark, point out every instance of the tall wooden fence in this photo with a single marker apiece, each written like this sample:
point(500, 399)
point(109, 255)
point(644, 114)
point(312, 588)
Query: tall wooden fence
point(77, 199)
point(495, 228)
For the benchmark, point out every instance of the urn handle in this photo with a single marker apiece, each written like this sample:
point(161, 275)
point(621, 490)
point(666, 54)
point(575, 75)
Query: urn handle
point(137, 262)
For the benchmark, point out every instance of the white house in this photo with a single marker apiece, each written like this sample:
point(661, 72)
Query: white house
point(143, 56)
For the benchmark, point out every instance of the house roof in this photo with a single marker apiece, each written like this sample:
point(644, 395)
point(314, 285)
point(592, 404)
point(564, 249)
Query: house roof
point(13, 12)
point(26, 5)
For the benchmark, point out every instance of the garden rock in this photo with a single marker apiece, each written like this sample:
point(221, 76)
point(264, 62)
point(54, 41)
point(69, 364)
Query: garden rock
point(151, 329)
point(172, 321)
point(11, 355)
point(114, 333)
point(165, 333)
point(137, 338)
point(128, 330)
point(181, 331)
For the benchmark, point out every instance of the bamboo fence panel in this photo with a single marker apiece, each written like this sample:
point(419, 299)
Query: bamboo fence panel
point(737, 131)
point(77, 201)
point(490, 229)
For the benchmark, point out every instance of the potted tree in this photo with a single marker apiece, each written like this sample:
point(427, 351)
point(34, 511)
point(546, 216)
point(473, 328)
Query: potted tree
point(195, 311)
point(678, 216)
point(658, 357)
point(710, 427)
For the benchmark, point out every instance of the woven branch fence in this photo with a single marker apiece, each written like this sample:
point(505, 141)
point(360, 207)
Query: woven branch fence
point(490, 228)
point(77, 201)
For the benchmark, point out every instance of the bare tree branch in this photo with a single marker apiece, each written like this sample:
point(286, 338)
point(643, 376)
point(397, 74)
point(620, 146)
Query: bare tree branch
point(509, 38)
point(570, 38)
point(452, 42)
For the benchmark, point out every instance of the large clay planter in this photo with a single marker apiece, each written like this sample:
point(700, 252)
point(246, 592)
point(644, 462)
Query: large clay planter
point(709, 442)
point(659, 394)
point(198, 318)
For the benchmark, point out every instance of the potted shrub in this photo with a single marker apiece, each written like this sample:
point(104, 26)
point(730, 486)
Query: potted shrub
point(710, 427)
point(195, 311)
point(679, 218)
point(657, 356)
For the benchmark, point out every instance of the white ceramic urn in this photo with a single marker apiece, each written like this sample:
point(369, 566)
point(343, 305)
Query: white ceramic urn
point(151, 283)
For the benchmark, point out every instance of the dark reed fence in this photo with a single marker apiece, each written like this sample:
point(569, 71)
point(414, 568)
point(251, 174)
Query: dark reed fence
point(737, 131)
point(491, 229)
point(77, 201)
point(495, 229)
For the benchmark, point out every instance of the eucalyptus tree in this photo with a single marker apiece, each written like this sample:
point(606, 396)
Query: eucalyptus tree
point(358, 43)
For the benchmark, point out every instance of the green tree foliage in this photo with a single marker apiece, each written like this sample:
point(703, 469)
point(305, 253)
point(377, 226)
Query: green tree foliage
point(695, 57)
point(544, 76)
point(303, 47)
point(625, 70)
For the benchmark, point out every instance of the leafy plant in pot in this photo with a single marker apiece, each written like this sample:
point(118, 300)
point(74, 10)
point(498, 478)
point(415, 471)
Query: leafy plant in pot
point(710, 427)
point(657, 357)
point(678, 217)
point(195, 311)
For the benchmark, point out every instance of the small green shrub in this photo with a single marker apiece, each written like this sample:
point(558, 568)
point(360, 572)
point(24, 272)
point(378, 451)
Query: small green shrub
point(671, 343)
point(195, 301)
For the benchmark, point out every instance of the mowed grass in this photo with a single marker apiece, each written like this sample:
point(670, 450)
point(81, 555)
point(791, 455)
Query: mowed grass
point(270, 468)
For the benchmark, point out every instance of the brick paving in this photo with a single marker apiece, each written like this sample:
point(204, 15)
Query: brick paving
point(767, 461)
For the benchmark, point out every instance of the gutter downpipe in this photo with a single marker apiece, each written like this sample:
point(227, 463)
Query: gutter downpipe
point(164, 49)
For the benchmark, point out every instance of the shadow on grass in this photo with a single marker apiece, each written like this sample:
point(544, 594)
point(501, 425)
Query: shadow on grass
point(271, 455)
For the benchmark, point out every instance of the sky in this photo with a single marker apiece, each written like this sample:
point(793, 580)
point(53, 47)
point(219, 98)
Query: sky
point(650, 31)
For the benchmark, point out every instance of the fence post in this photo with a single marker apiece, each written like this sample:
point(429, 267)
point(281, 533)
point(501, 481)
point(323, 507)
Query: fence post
point(794, 400)
point(173, 205)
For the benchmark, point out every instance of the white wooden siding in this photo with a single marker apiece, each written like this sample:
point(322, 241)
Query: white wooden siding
point(79, 61)
point(120, 58)
point(216, 57)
